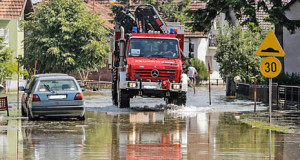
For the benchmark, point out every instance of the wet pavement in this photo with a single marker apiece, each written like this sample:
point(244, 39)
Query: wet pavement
point(149, 130)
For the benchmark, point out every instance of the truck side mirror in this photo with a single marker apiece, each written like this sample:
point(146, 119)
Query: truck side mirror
point(191, 47)
point(183, 58)
point(116, 53)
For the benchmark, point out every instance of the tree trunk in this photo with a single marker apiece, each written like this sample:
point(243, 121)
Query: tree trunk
point(81, 77)
point(87, 75)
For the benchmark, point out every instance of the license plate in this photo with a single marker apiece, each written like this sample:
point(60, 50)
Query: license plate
point(57, 96)
point(150, 87)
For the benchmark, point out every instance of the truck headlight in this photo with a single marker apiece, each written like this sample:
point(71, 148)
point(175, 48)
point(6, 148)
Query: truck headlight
point(132, 84)
point(176, 86)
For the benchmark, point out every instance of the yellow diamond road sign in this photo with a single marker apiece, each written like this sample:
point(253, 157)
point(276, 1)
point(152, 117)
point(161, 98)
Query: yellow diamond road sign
point(270, 67)
point(270, 47)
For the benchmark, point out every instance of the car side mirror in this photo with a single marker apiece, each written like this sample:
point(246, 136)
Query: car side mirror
point(27, 91)
point(21, 88)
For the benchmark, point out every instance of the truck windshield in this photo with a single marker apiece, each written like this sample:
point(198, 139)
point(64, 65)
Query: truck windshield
point(146, 47)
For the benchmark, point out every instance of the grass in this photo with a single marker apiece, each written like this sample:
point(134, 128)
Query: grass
point(265, 125)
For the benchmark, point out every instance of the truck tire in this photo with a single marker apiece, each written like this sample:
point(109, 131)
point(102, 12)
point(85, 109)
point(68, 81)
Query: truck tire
point(114, 93)
point(124, 99)
point(181, 99)
point(169, 100)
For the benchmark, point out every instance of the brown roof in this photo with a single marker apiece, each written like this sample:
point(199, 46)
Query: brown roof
point(189, 34)
point(197, 5)
point(261, 15)
point(104, 9)
point(12, 9)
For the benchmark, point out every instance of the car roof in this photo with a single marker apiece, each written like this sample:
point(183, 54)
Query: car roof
point(50, 75)
point(56, 77)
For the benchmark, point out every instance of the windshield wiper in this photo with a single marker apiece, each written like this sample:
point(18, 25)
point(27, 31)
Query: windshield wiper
point(48, 88)
point(160, 56)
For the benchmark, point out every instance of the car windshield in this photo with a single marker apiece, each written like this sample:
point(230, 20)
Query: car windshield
point(57, 85)
point(146, 47)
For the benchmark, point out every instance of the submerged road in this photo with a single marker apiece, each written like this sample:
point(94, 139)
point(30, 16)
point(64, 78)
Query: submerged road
point(148, 130)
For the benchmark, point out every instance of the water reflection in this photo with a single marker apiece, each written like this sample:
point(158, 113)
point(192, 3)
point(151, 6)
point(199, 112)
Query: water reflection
point(144, 135)
point(52, 140)
point(148, 135)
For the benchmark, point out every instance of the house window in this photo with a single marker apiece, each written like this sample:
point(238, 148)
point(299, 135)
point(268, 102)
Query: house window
point(4, 35)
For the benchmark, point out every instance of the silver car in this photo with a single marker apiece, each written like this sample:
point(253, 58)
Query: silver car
point(52, 95)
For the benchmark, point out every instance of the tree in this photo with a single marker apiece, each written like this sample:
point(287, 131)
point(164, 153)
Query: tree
point(64, 36)
point(236, 50)
point(201, 19)
point(7, 66)
point(170, 11)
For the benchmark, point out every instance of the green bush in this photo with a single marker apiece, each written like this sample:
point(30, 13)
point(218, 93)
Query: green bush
point(288, 79)
point(235, 53)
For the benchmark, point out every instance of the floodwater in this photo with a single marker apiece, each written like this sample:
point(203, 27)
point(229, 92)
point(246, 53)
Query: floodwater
point(197, 131)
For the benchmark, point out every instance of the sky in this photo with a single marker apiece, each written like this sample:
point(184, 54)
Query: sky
point(35, 1)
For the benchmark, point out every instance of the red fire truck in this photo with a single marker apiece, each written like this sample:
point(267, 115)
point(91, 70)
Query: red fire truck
point(146, 58)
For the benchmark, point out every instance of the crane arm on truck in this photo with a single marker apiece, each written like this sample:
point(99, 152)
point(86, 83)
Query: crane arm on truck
point(145, 18)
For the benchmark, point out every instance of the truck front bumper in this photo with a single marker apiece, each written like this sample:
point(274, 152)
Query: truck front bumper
point(140, 85)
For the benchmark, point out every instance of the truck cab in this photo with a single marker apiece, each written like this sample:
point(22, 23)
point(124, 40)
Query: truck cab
point(148, 63)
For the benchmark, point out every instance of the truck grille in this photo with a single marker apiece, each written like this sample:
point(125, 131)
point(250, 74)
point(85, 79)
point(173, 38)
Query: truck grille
point(146, 73)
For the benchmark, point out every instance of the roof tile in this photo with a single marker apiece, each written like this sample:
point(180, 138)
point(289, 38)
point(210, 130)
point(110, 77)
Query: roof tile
point(11, 8)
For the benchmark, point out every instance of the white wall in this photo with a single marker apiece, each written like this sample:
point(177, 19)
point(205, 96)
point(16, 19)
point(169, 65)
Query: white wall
point(200, 47)
point(291, 42)
point(12, 85)
point(205, 54)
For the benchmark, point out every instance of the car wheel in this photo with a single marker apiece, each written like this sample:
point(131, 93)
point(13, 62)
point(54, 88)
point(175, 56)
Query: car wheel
point(22, 111)
point(29, 115)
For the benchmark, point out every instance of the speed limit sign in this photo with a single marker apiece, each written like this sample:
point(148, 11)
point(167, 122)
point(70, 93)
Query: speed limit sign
point(270, 67)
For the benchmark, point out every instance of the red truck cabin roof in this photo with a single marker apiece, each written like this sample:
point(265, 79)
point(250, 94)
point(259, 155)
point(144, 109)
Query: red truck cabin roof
point(153, 35)
point(179, 36)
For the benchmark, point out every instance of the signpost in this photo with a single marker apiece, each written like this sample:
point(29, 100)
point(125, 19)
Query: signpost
point(270, 66)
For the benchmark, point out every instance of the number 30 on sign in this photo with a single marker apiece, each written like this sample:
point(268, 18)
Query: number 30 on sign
point(270, 67)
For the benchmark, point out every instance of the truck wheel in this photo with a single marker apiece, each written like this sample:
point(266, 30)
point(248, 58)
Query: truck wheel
point(169, 100)
point(124, 99)
point(114, 93)
point(181, 100)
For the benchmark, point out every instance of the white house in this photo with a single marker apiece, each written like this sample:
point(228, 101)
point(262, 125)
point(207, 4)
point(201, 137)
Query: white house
point(291, 42)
